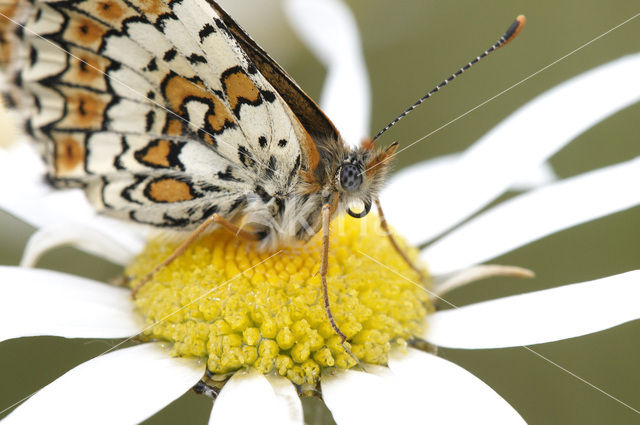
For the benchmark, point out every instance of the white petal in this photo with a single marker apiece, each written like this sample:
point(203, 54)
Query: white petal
point(122, 387)
point(538, 317)
point(539, 176)
point(329, 29)
point(476, 273)
point(42, 302)
point(417, 388)
point(448, 394)
point(517, 146)
point(356, 398)
point(71, 206)
point(535, 215)
point(21, 166)
point(31, 199)
point(288, 399)
point(87, 238)
point(394, 195)
point(249, 397)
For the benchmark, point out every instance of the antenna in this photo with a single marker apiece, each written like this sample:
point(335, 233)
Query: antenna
point(509, 35)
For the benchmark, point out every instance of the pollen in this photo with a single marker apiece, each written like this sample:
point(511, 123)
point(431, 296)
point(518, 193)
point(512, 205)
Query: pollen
point(236, 307)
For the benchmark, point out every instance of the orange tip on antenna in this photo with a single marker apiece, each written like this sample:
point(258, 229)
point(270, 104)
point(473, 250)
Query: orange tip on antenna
point(514, 29)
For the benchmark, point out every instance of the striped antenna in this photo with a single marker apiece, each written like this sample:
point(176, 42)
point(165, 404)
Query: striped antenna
point(509, 35)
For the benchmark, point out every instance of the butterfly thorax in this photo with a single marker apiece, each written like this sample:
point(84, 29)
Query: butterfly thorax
point(343, 178)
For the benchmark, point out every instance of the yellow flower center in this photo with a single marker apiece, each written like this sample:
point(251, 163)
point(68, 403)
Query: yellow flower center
point(224, 301)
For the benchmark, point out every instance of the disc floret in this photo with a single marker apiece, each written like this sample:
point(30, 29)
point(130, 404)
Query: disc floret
point(236, 307)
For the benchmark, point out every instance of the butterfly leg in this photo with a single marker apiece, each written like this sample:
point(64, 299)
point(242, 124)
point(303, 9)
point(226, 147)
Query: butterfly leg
point(226, 224)
point(324, 267)
point(175, 254)
point(215, 218)
point(394, 243)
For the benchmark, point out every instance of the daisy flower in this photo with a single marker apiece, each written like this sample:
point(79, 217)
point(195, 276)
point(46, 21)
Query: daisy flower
point(397, 380)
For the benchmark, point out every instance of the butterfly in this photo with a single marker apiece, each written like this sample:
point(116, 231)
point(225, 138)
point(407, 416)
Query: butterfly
point(167, 113)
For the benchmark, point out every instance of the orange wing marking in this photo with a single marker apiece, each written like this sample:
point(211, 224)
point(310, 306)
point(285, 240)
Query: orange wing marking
point(169, 190)
point(84, 31)
point(69, 154)
point(178, 91)
point(239, 89)
point(84, 109)
point(159, 154)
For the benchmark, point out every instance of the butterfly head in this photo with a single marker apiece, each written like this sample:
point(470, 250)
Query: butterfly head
point(361, 174)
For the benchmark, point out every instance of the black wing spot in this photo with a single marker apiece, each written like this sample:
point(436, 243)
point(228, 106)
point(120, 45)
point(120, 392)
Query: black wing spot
point(245, 157)
point(251, 69)
point(195, 58)
point(161, 21)
point(8, 101)
point(269, 96)
point(36, 101)
point(271, 168)
point(17, 80)
point(206, 31)
point(149, 118)
point(169, 55)
point(262, 194)
point(33, 57)
point(262, 141)
point(28, 127)
point(151, 95)
point(209, 211)
point(294, 170)
point(228, 175)
point(210, 188)
point(152, 65)
point(282, 143)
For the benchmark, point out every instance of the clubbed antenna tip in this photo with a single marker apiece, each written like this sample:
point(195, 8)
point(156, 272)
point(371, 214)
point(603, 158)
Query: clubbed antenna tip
point(509, 35)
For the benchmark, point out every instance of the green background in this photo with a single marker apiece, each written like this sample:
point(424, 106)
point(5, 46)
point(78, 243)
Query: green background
point(410, 46)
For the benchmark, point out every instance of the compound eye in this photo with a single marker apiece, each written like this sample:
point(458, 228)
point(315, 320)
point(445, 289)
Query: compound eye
point(350, 177)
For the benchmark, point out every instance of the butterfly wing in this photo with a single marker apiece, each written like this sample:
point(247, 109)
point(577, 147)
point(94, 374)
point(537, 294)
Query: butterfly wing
point(153, 108)
point(307, 111)
point(326, 138)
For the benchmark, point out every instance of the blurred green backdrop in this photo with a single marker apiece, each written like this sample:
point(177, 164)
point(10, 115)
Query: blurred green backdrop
point(410, 46)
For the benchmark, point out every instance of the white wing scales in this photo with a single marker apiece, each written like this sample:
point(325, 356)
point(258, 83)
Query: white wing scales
point(152, 107)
